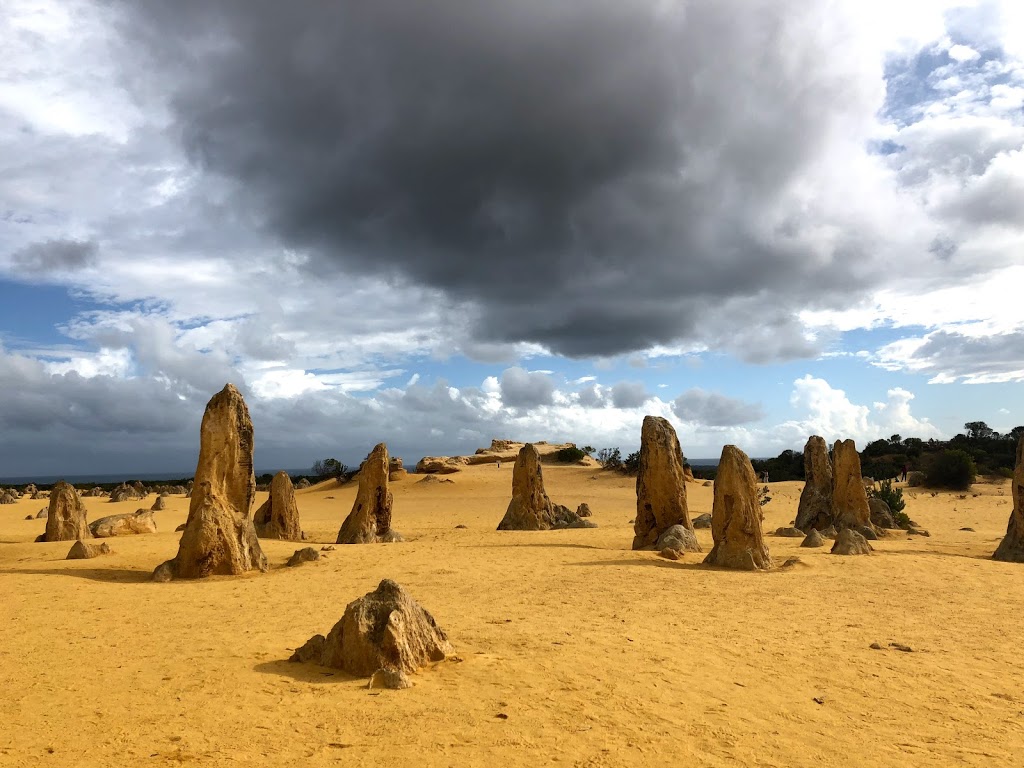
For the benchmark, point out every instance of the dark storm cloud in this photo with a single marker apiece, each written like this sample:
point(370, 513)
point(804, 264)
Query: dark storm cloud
point(629, 394)
point(715, 410)
point(54, 256)
point(593, 176)
point(947, 353)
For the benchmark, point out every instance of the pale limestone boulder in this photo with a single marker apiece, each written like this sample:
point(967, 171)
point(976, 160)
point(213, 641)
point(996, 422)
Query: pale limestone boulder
point(129, 524)
point(65, 517)
point(849, 499)
point(815, 509)
point(370, 518)
point(278, 517)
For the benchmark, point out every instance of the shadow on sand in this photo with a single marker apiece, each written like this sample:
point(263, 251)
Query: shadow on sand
point(647, 562)
point(109, 575)
point(306, 672)
point(552, 545)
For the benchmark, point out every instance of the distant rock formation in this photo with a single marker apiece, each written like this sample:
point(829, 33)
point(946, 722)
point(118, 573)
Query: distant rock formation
point(125, 492)
point(440, 465)
point(8, 496)
point(278, 518)
point(530, 508)
point(159, 504)
point(736, 516)
point(304, 555)
point(132, 523)
point(849, 499)
point(1011, 548)
point(65, 518)
point(219, 538)
point(815, 509)
point(385, 629)
point(500, 450)
point(813, 539)
point(660, 484)
point(370, 518)
point(396, 470)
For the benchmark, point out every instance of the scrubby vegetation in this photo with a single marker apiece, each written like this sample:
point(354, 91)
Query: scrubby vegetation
point(570, 455)
point(952, 468)
point(893, 497)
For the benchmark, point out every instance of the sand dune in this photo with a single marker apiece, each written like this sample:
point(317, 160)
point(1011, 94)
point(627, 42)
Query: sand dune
point(597, 655)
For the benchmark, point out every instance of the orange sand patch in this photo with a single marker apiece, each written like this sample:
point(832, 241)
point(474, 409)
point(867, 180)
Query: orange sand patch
point(599, 656)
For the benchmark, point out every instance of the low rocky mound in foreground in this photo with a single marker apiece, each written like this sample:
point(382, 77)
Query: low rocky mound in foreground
point(500, 450)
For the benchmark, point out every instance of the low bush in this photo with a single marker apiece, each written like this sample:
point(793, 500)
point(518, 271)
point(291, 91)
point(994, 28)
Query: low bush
point(570, 455)
point(893, 497)
point(952, 468)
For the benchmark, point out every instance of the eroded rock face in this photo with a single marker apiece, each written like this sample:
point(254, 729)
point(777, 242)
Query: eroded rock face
point(385, 629)
point(881, 515)
point(65, 517)
point(530, 508)
point(849, 542)
point(736, 516)
point(849, 499)
point(815, 509)
point(159, 504)
point(82, 551)
point(814, 539)
point(278, 517)
point(370, 518)
point(660, 484)
point(130, 524)
point(1011, 548)
point(219, 538)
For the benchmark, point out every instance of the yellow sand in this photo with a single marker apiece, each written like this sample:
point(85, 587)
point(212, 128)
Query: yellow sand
point(597, 655)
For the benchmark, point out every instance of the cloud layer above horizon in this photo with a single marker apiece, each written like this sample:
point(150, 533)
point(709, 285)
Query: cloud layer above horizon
point(446, 215)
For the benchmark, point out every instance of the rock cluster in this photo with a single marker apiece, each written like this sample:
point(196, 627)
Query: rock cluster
point(1011, 548)
point(385, 629)
point(530, 508)
point(219, 538)
point(278, 517)
point(736, 516)
point(660, 484)
point(370, 518)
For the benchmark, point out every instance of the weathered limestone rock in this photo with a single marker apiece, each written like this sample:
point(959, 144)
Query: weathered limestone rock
point(140, 521)
point(881, 515)
point(219, 538)
point(1011, 548)
point(736, 516)
point(125, 492)
point(159, 505)
point(530, 508)
point(814, 539)
point(65, 518)
point(583, 510)
point(679, 538)
point(7, 497)
point(702, 521)
point(82, 551)
point(660, 484)
point(849, 499)
point(303, 484)
point(789, 533)
point(688, 474)
point(42, 514)
point(396, 470)
point(304, 555)
point(815, 509)
point(440, 465)
point(385, 629)
point(849, 542)
point(370, 518)
point(278, 518)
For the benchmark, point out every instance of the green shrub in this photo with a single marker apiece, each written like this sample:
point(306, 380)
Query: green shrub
point(570, 455)
point(893, 497)
point(952, 468)
point(1004, 472)
point(632, 463)
point(610, 458)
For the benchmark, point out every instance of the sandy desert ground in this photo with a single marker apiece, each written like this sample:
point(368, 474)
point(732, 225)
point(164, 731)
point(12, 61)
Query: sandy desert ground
point(572, 649)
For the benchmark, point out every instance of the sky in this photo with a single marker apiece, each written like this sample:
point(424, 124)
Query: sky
point(434, 224)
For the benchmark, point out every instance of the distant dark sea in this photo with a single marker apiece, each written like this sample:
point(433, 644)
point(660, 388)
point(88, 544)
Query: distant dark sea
point(121, 477)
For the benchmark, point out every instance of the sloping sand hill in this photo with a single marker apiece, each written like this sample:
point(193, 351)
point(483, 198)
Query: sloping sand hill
point(572, 649)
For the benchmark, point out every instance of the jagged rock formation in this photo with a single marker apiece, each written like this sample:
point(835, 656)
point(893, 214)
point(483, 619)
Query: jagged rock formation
point(849, 542)
point(8, 497)
point(815, 509)
point(370, 518)
point(385, 629)
point(678, 538)
point(500, 450)
point(813, 539)
point(82, 551)
point(396, 470)
point(140, 521)
point(278, 517)
point(660, 484)
point(1011, 548)
point(530, 508)
point(125, 492)
point(583, 510)
point(849, 499)
point(736, 516)
point(304, 555)
point(219, 538)
point(65, 518)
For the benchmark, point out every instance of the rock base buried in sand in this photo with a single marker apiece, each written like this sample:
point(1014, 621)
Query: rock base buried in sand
point(304, 555)
point(679, 538)
point(395, 679)
point(82, 551)
point(385, 629)
point(789, 533)
point(130, 524)
point(849, 542)
point(814, 539)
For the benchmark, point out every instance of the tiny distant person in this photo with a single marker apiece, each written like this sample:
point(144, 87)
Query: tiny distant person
point(903, 477)
point(498, 462)
point(765, 477)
